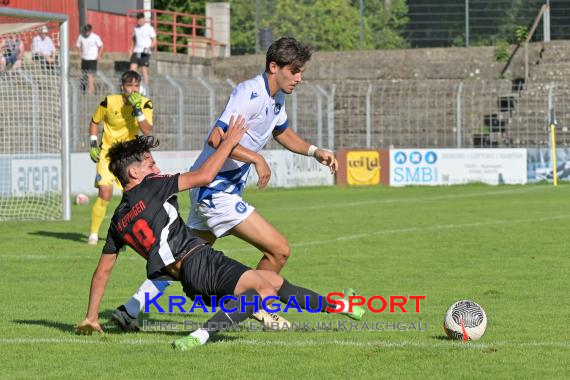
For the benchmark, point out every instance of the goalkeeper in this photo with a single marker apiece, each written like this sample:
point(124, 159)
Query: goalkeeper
point(124, 115)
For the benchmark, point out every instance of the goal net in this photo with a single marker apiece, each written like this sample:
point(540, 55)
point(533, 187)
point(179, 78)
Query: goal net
point(34, 158)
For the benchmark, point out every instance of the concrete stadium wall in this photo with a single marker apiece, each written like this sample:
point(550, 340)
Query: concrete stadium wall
point(437, 63)
point(418, 64)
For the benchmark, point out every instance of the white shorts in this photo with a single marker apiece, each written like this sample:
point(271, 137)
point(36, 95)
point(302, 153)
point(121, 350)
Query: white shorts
point(228, 211)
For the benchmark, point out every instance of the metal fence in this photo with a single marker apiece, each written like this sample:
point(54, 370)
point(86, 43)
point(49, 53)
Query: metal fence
point(357, 114)
point(449, 114)
point(479, 22)
point(419, 23)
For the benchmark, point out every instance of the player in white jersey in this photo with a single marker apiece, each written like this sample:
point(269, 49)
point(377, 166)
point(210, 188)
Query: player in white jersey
point(218, 209)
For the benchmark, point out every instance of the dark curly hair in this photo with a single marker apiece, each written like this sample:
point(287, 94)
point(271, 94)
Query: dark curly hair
point(288, 51)
point(123, 153)
point(130, 76)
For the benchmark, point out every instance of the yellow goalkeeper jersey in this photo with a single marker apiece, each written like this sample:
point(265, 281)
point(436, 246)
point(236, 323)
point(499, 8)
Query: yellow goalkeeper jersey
point(120, 124)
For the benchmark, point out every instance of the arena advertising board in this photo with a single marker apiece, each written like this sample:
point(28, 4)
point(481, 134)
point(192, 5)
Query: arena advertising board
point(457, 166)
point(539, 162)
point(25, 175)
point(83, 170)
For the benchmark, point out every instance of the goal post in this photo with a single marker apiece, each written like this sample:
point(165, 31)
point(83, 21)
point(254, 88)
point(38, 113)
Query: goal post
point(34, 116)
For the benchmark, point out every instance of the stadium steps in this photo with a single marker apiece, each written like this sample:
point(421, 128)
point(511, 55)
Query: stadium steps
point(415, 113)
point(554, 64)
point(530, 119)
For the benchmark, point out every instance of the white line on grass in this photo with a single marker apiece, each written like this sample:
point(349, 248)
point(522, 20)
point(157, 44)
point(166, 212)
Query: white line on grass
point(409, 230)
point(396, 200)
point(337, 239)
point(287, 343)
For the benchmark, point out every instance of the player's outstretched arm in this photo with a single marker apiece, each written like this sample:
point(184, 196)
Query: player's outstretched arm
point(240, 153)
point(293, 142)
point(98, 285)
point(209, 169)
point(326, 158)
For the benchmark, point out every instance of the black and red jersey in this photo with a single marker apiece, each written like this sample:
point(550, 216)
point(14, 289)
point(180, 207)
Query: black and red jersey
point(148, 221)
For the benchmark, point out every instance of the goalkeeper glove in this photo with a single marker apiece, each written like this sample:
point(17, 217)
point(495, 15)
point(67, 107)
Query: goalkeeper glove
point(94, 151)
point(135, 99)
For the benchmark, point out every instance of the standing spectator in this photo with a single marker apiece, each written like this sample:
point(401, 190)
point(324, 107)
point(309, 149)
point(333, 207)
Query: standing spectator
point(12, 49)
point(144, 40)
point(91, 48)
point(43, 49)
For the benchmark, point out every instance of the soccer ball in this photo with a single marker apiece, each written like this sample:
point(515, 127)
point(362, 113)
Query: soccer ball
point(81, 199)
point(465, 320)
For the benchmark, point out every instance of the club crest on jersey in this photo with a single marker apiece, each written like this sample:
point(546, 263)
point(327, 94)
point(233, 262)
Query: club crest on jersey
point(277, 108)
point(253, 95)
point(241, 207)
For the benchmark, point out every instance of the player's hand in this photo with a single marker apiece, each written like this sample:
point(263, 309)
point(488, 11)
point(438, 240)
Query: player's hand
point(87, 327)
point(135, 99)
point(236, 130)
point(94, 153)
point(263, 172)
point(327, 158)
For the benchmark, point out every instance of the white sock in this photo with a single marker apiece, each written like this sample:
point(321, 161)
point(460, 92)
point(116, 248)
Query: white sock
point(202, 335)
point(152, 287)
point(345, 310)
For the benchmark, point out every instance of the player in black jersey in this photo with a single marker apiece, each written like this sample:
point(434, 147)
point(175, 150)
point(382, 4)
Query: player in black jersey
point(148, 221)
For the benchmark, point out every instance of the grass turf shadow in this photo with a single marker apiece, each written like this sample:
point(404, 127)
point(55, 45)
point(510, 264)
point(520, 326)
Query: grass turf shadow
point(71, 236)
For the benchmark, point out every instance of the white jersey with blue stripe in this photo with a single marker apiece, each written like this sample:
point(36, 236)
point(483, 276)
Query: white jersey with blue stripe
point(263, 114)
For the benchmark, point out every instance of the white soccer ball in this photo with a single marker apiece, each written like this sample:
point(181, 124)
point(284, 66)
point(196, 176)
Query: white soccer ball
point(465, 320)
point(81, 199)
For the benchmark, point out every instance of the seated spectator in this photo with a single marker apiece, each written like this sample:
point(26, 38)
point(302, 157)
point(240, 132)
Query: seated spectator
point(12, 49)
point(43, 50)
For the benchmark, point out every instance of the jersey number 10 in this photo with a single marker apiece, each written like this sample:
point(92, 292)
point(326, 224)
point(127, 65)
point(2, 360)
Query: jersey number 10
point(143, 238)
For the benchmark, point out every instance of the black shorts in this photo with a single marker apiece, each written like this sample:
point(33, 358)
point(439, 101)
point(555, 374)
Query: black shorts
point(141, 59)
point(89, 66)
point(208, 272)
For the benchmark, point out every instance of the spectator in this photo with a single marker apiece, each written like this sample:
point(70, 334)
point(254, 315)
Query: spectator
point(43, 50)
point(12, 49)
point(144, 40)
point(91, 48)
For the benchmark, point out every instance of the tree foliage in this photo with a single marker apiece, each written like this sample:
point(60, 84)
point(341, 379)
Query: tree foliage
point(324, 24)
point(384, 23)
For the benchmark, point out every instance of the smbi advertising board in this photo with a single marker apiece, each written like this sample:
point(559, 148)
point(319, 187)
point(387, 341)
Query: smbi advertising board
point(457, 166)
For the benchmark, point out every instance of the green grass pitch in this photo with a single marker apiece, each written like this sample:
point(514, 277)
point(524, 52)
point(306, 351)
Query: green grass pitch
point(504, 247)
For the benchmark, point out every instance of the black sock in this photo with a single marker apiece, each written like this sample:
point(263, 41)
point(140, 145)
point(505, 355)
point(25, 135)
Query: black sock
point(306, 298)
point(224, 321)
